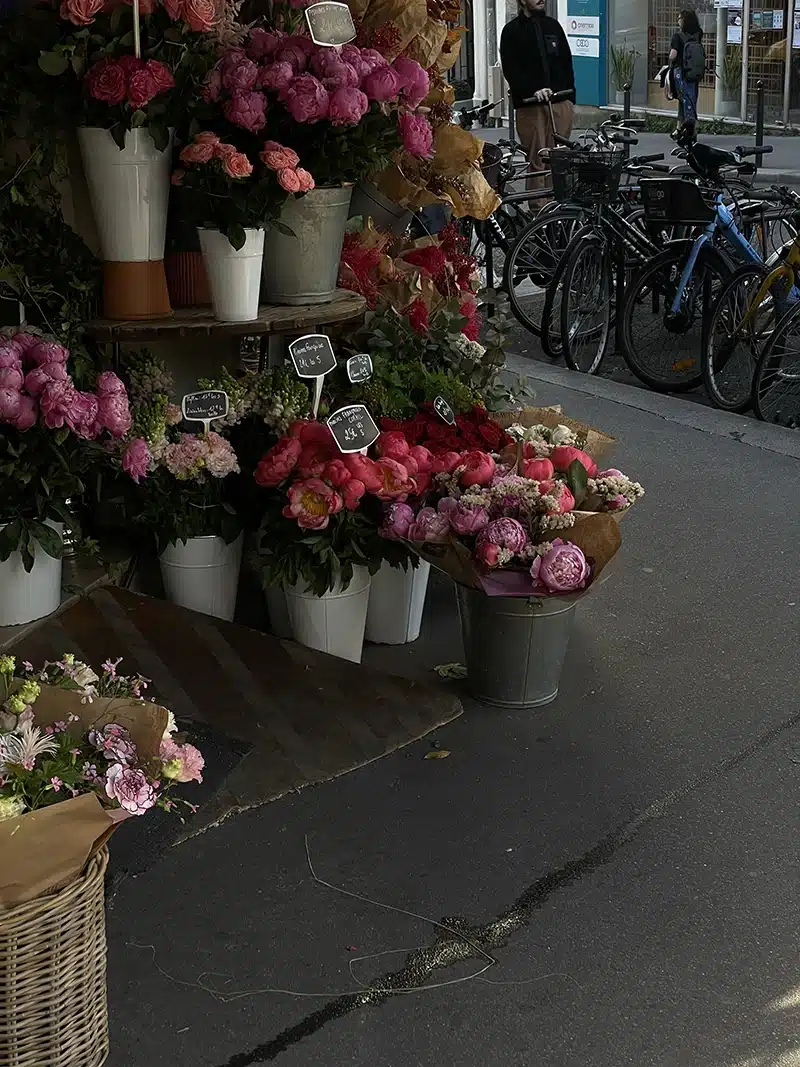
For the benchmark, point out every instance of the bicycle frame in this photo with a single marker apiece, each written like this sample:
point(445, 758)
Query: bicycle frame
point(789, 269)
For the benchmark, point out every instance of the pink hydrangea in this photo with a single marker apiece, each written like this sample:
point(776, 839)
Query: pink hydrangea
point(130, 788)
point(136, 459)
point(306, 99)
point(415, 80)
point(417, 134)
point(382, 84)
point(347, 107)
point(247, 110)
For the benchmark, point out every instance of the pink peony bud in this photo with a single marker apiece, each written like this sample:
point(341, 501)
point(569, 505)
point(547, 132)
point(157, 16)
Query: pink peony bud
point(11, 378)
point(28, 413)
point(39, 377)
point(9, 404)
point(46, 352)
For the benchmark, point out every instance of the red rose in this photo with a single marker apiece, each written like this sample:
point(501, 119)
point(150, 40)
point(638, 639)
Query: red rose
point(161, 75)
point(106, 81)
point(141, 88)
point(278, 463)
point(493, 435)
point(130, 64)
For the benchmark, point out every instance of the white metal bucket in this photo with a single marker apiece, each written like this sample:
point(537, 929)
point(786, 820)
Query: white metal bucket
point(25, 597)
point(396, 603)
point(203, 574)
point(279, 621)
point(333, 623)
point(234, 274)
point(129, 191)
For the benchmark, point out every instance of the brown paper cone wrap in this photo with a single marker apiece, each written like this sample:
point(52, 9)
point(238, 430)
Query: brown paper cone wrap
point(591, 440)
point(135, 291)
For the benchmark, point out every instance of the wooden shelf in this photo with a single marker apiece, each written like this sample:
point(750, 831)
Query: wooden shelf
point(191, 322)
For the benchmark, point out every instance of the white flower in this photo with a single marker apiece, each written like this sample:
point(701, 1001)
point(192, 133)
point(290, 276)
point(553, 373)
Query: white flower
point(11, 807)
point(84, 676)
point(22, 749)
point(562, 435)
point(172, 726)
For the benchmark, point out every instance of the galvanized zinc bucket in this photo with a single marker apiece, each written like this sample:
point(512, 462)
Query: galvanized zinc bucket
point(514, 646)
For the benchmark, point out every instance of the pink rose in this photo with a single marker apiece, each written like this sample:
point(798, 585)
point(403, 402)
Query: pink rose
point(106, 81)
point(277, 464)
point(12, 377)
point(276, 77)
point(417, 134)
point(538, 470)
point(276, 157)
point(306, 180)
point(347, 107)
point(136, 459)
point(181, 763)
point(82, 416)
point(160, 74)
point(174, 9)
point(397, 522)
point(207, 137)
point(108, 384)
point(288, 180)
point(46, 352)
point(197, 153)
point(306, 99)
point(429, 525)
point(311, 503)
point(130, 787)
point(261, 44)
point(241, 76)
point(414, 79)
point(113, 414)
point(141, 88)
point(80, 12)
point(200, 15)
point(467, 521)
point(480, 468)
point(563, 455)
point(563, 569)
point(9, 404)
point(56, 401)
point(294, 55)
point(237, 165)
point(247, 110)
point(28, 413)
point(382, 84)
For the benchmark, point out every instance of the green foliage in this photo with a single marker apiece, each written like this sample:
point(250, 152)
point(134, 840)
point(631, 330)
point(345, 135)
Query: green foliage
point(623, 64)
point(177, 510)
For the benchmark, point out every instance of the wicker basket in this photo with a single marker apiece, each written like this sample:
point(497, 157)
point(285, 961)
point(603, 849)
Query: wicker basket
point(53, 976)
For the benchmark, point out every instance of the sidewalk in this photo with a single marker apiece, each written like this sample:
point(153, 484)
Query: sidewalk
point(627, 853)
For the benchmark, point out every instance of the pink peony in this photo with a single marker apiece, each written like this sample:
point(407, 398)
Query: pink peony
point(181, 763)
point(467, 521)
point(108, 384)
point(397, 522)
point(142, 88)
point(352, 492)
point(429, 525)
point(562, 569)
point(136, 459)
point(336, 473)
point(563, 455)
point(241, 76)
point(9, 404)
point(106, 81)
point(277, 464)
point(80, 12)
point(445, 462)
point(28, 413)
point(423, 458)
point(46, 352)
point(415, 80)
point(487, 553)
point(480, 468)
point(365, 469)
point(371, 59)
point(247, 110)
point(340, 76)
point(26, 341)
point(130, 787)
point(306, 180)
point(200, 15)
point(393, 443)
point(288, 180)
point(56, 401)
point(39, 377)
point(504, 533)
point(347, 107)
point(113, 414)
point(382, 84)
point(261, 44)
point(276, 77)
point(307, 99)
point(197, 153)
point(276, 156)
point(82, 416)
point(237, 165)
point(311, 503)
point(395, 480)
point(610, 472)
point(10, 355)
point(417, 135)
point(538, 470)
point(12, 377)
point(294, 55)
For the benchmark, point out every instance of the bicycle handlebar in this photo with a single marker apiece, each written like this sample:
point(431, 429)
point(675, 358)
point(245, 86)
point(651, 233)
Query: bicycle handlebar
point(654, 157)
point(554, 98)
point(756, 150)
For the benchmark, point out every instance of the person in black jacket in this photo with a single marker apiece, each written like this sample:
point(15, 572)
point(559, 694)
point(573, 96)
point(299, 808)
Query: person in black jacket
point(536, 60)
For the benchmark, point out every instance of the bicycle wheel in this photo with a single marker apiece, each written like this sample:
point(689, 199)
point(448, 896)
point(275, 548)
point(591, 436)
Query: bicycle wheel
point(586, 287)
point(663, 348)
point(731, 348)
point(532, 261)
point(550, 334)
point(776, 384)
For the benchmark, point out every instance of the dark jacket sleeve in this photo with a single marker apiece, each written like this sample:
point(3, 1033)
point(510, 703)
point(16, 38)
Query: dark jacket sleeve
point(513, 71)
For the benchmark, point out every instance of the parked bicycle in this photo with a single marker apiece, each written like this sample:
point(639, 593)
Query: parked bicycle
point(776, 383)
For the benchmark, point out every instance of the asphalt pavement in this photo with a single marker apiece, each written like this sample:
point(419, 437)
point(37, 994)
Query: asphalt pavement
point(629, 852)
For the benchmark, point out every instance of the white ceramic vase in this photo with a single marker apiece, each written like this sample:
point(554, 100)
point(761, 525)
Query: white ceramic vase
point(332, 623)
point(396, 603)
point(129, 193)
point(234, 274)
point(203, 574)
point(27, 596)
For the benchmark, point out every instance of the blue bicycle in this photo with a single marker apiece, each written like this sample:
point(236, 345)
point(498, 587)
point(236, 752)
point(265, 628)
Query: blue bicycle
point(665, 314)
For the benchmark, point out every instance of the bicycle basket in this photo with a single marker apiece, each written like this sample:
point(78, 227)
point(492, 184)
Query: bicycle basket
point(676, 200)
point(490, 163)
point(586, 177)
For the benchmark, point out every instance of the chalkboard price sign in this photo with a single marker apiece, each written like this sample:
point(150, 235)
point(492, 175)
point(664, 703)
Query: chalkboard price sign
point(330, 23)
point(359, 368)
point(353, 428)
point(205, 406)
point(444, 411)
point(312, 355)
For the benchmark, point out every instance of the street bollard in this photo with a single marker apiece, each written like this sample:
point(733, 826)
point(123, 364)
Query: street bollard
point(511, 126)
point(759, 113)
point(626, 111)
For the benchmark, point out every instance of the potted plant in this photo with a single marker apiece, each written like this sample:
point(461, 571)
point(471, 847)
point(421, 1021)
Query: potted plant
point(53, 436)
point(623, 64)
point(731, 81)
point(231, 198)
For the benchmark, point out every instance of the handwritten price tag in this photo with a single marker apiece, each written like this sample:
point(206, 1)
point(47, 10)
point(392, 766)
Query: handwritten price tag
point(312, 355)
point(205, 406)
point(353, 428)
point(444, 411)
point(359, 368)
point(330, 23)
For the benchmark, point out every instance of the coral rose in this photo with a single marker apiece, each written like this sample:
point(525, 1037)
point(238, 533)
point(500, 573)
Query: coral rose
point(288, 180)
point(80, 12)
point(348, 106)
point(276, 157)
point(200, 15)
point(480, 468)
point(306, 180)
point(564, 455)
point(106, 81)
point(277, 464)
point(197, 153)
point(141, 88)
point(237, 165)
point(311, 504)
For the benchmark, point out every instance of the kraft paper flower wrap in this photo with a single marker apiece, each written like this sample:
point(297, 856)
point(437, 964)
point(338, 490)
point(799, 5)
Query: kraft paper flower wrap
point(42, 850)
point(596, 443)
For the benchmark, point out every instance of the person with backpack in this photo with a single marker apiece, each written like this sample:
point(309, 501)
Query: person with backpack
point(687, 60)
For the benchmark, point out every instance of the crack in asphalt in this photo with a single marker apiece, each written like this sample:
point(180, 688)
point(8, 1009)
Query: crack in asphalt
point(475, 942)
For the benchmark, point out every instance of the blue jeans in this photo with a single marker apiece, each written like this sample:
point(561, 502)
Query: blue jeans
point(687, 98)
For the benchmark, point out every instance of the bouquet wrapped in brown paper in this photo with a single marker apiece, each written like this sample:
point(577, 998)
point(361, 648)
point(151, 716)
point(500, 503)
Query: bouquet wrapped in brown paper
point(79, 752)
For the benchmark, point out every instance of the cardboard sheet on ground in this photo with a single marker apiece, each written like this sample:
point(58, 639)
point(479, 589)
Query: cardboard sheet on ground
point(43, 850)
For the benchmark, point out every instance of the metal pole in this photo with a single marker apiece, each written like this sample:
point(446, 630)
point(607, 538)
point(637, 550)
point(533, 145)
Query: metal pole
point(759, 112)
point(787, 72)
point(745, 55)
point(719, 64)
point(626, 111)
point(511, 125)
